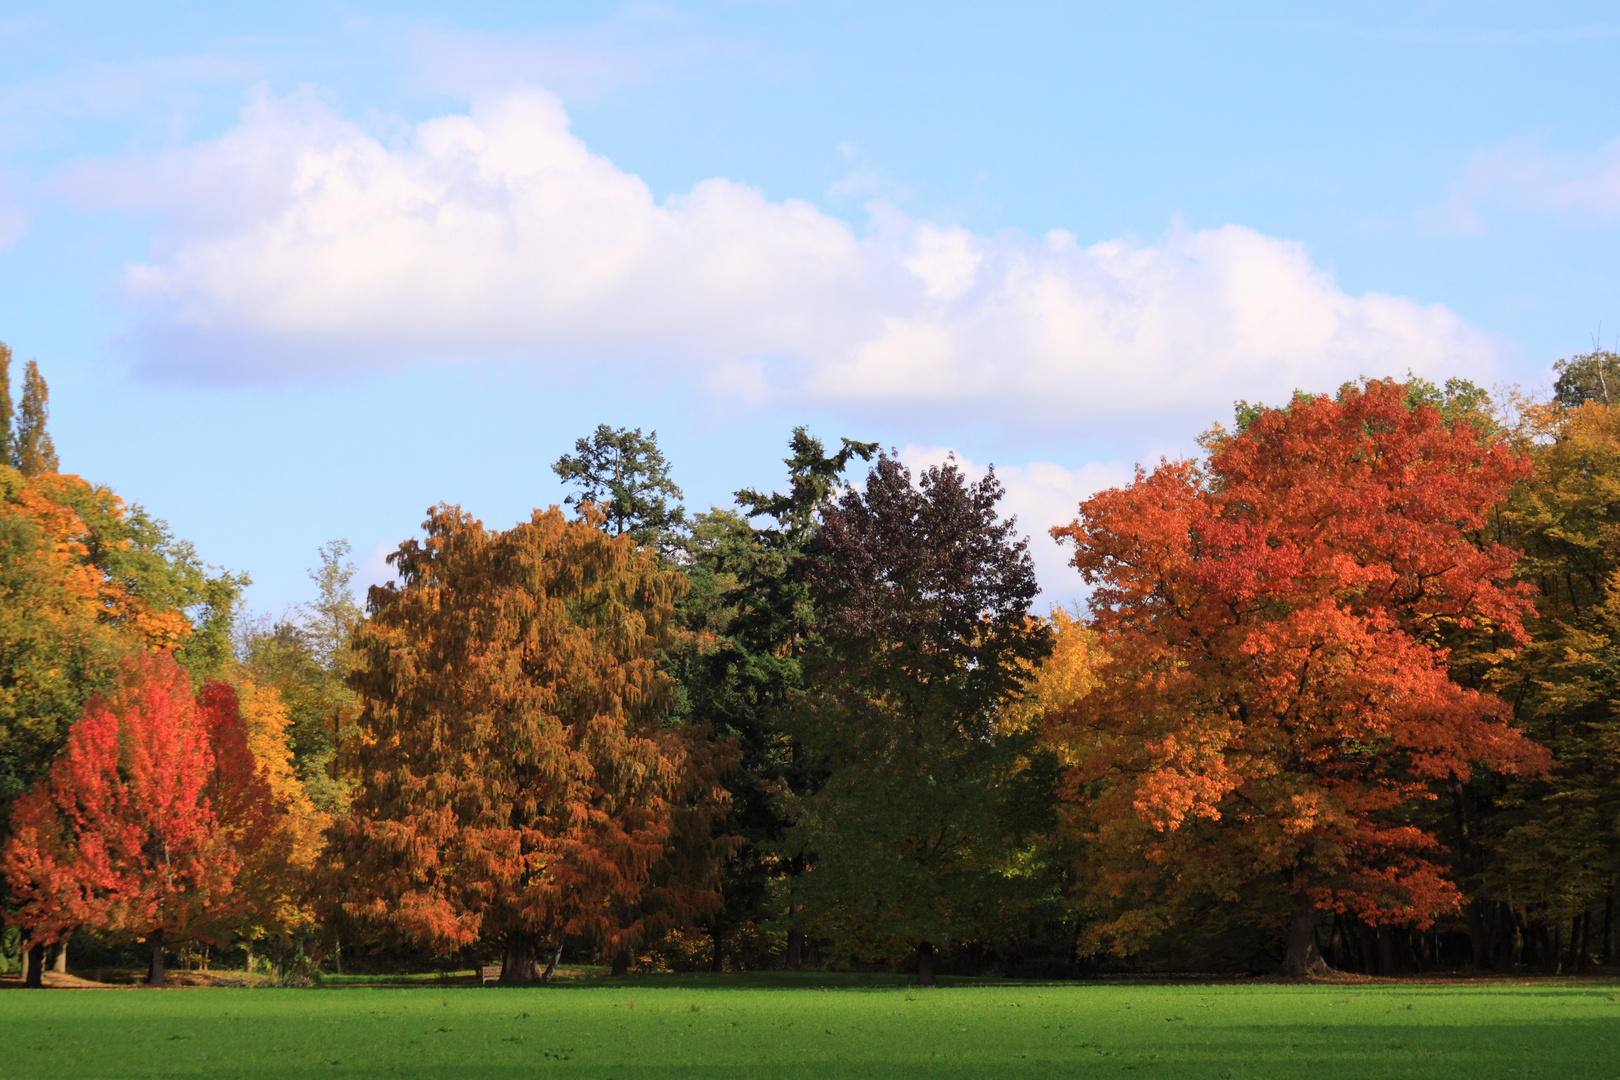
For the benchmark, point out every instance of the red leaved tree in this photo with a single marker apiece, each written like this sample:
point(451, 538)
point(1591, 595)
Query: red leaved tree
point(251, 819)
point(121, 834)
point(1275, 697)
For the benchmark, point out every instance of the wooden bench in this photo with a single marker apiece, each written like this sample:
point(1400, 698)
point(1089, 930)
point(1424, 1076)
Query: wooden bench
point(489, 973)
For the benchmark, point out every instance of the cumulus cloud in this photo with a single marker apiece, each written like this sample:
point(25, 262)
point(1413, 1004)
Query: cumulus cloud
point(1520, 176)
point(301, 244)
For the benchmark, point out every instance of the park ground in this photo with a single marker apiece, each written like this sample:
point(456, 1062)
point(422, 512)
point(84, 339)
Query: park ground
point(820, 1026)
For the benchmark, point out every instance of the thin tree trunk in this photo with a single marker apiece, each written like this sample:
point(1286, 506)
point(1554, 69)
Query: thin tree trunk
point(621, 963)
point(718, 963)
point(795, 941)
point(1464, 860)
point(520, 964)
point(34, 966)
point(1304, 957)
point(154, 973)
point(1608, 925)
point(1553, 947)
point(1386, 952)
point(551, 968)
point(60, 966)
point(1367, 938)
point(337, 954)
point(925, 965)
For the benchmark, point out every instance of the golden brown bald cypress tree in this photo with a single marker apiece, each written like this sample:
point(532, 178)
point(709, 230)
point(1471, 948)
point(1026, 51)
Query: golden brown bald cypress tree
point(517, 784)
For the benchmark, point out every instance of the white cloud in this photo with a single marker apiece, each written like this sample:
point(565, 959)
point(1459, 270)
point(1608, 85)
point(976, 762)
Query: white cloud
point(300, 244)
point(1041, 495)
point(1520, 176)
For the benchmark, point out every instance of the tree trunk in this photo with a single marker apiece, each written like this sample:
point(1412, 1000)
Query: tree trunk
point(551, 968)
point(337, 954)
point(795, 949)
point(154, 973)
point(621, 963)
point(34, 966)
point(1608, 925)
point(925, 965)
point(1464, 857)
point(1479, 938)
point(520, 963)
point(60, 966)
point(1304, 957)
point(1387, 965)
point(1493, 937)
point(1367, 939)
point(719, 961)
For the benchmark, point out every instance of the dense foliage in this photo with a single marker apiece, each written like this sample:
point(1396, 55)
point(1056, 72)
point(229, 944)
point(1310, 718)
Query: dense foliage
point(1344, 694)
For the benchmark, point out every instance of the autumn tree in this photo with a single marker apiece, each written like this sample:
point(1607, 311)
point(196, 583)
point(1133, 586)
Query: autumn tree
point(263, 815)
point(83, 581)
point(923, 642)
point(122, 834)
point(625, 475)
point(517, 783)
point(302, 660)
point(1275, 695)
point(1551, 856)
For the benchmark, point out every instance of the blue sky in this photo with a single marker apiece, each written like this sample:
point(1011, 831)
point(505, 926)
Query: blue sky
point(295, 271)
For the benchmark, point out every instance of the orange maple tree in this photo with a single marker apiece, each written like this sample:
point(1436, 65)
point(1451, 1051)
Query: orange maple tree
point(516, 782)
point(1274, 694)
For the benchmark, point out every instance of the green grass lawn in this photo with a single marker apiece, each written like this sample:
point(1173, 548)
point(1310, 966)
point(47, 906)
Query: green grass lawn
point(821, 1027)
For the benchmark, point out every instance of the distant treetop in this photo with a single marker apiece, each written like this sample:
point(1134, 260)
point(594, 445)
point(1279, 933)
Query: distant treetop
point(25, 444)
point(624, 474)
point(1593, 376)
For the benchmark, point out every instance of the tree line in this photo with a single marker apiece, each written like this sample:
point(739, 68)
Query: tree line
point(1343, 694)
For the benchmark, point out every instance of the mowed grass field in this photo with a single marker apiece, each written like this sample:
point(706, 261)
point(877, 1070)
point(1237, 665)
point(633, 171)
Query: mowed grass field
point(819, 1027)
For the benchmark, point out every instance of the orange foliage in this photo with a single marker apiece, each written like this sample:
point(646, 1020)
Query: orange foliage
point(51, 502)
point(1277, 690)
point(300, 824)
point(264, 815)
point(515, 777)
